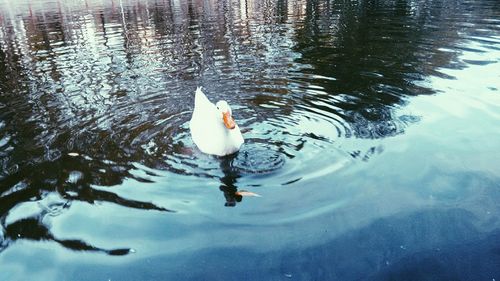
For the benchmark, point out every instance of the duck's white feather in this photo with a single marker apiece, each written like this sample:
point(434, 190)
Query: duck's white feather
point(208, 131)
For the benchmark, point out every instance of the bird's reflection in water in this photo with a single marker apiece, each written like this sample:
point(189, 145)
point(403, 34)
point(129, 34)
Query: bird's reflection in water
point(228, 181)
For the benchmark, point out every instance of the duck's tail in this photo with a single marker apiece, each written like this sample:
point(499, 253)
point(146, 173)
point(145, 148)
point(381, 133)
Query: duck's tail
point(200, 98)
point(198, 90)
point(199, 95)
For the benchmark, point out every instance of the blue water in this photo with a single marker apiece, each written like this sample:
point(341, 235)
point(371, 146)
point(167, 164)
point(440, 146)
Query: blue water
point(371, 137)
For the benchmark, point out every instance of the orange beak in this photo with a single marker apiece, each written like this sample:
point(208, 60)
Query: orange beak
point(228, 120)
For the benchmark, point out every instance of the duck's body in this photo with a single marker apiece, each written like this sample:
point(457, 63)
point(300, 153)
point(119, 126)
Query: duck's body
point(212, 128)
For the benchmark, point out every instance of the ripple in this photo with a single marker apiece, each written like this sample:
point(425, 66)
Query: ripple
point(96, 100)
point(257, 159)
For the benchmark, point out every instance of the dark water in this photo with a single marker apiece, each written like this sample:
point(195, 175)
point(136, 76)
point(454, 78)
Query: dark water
point(372, 135)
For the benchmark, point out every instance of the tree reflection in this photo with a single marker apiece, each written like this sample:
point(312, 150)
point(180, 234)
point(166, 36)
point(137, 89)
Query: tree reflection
point(376, 64)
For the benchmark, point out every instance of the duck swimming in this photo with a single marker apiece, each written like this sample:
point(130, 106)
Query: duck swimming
point(213, 128)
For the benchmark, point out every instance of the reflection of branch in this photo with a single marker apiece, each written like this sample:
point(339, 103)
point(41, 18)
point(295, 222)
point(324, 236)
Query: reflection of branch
point(86, 194)
point(33, 229)
point(79, 245)
point(90, 195)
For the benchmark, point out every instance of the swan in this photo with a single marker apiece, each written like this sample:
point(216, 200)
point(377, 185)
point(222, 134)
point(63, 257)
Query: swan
point(212, 127)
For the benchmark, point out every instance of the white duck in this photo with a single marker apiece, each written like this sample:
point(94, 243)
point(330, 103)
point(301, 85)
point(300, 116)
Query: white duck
point(213, 128)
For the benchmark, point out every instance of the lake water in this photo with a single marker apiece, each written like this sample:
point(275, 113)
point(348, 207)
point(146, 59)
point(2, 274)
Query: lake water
point(372, 135)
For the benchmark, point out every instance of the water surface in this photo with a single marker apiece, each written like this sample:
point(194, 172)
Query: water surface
point(371, 135)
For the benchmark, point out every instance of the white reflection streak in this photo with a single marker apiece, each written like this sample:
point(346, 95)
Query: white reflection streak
point(125, 31)
point(21, 39)
point(243, 9)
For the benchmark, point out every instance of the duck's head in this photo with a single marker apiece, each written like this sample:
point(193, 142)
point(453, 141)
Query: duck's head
point(227, 115)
